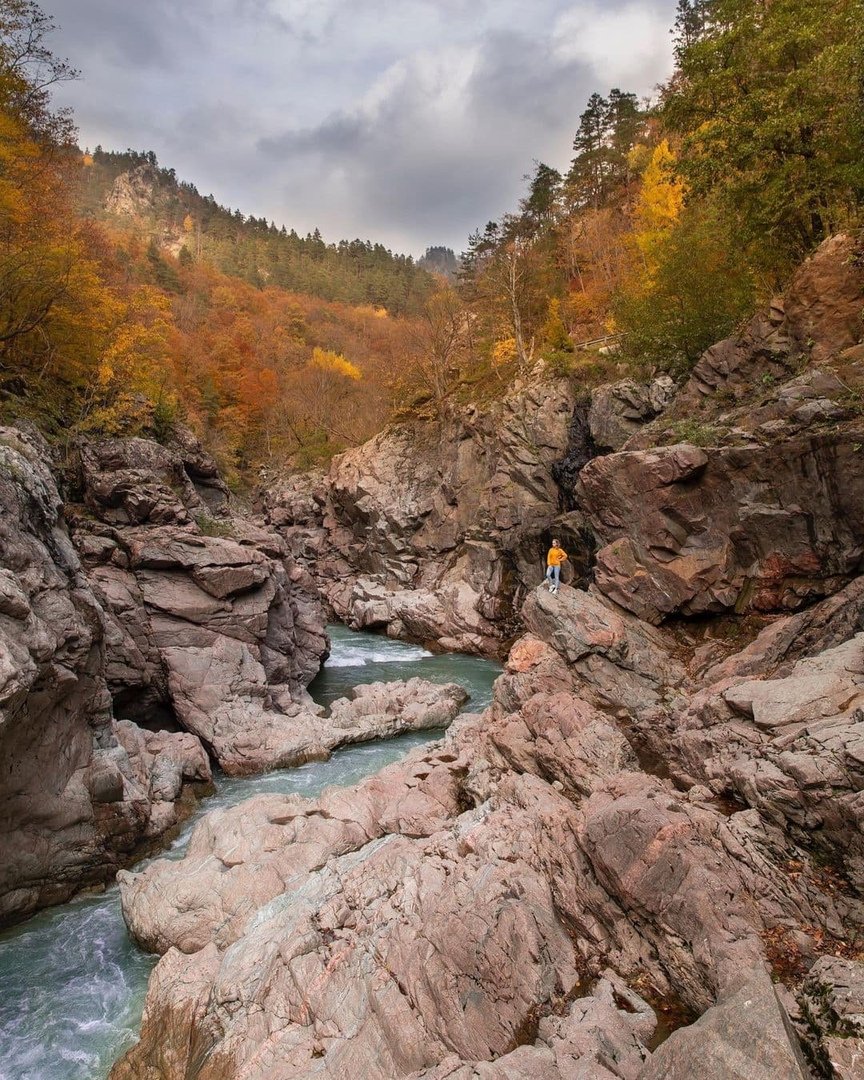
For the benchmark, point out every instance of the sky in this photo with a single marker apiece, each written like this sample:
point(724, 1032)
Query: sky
point(408, 122)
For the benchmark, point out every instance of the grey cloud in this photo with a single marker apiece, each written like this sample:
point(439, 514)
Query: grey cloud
point(410, 175)
point(409, 123)
point(149, 36)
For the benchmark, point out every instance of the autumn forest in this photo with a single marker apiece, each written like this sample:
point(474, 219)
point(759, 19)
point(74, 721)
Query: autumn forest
point(129, 302)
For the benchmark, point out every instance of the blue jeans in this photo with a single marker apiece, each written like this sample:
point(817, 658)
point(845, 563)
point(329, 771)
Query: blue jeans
point(553, 575)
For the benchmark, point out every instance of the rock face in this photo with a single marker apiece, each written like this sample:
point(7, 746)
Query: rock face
point(498, 904)
point(739, 528)
point(436, 533)
point(620, 410)
point(832, 1020)
point(817, 321)
point(746, 1036)
point(211, 621)
point(133, 192)
point(157, 611)
point(79, 791)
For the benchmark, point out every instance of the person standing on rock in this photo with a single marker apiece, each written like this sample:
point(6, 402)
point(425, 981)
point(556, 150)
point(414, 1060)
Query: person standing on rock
point(555, 557)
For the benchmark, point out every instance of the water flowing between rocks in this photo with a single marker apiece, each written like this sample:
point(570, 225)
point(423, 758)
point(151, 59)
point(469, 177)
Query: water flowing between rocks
point(74, 982)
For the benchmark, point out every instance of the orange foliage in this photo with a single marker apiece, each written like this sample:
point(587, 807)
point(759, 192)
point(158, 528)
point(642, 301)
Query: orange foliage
point(104, 332)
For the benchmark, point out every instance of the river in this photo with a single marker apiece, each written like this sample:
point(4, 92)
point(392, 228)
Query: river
point(72, 982)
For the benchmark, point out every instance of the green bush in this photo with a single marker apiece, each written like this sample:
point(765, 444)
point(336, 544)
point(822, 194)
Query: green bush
point(213, 526)
point(694, 432)
point(702, 291)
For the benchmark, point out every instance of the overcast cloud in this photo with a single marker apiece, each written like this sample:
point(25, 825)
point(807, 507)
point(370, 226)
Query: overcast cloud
point(410, 122)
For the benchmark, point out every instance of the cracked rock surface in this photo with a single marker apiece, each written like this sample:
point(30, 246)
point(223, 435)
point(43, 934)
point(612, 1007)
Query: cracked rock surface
point(500, 903)
point(211, 620)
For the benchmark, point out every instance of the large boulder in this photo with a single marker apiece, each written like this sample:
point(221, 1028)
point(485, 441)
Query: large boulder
point(745, 1036)
point(134, 481)
point(620, 662)
point(792, 746)
point(222, 695)
point(735, 529)
point(619, 410)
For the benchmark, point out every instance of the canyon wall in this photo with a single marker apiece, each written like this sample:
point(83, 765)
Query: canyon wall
point(143, 630)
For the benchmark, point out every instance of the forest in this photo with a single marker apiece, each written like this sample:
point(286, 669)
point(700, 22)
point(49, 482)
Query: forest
point(676, 218)
point(679, 216)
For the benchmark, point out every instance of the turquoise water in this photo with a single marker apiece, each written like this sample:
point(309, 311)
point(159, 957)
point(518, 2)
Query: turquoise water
point(364, 658)
point(72, 982)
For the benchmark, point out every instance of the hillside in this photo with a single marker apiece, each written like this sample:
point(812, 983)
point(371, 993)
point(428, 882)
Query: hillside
point(153, 306)
point(129, 190)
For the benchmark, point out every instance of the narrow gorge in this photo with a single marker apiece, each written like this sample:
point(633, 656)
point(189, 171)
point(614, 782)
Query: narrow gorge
point(638, 855)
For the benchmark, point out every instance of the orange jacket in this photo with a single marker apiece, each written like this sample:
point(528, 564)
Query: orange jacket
point(556, 556)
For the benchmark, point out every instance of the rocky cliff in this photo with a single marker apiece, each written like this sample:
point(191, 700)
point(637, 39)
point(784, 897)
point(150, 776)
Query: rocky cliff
point(143, 629)
point(80, 789)
point(211, 618)
point(766, 514)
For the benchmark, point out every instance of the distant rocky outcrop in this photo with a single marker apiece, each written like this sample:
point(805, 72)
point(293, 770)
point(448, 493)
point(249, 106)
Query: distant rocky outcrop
point(134, 193)
point(141, 195)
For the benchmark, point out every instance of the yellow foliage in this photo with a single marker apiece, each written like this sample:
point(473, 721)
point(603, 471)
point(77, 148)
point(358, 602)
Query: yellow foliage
point(658, 208)
point(662, 195)
point(188, 224)
point(504, 351)
point(332, 361)
point(18, 156)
